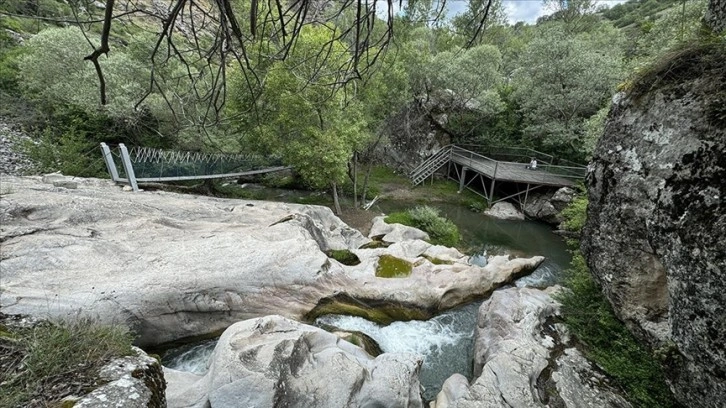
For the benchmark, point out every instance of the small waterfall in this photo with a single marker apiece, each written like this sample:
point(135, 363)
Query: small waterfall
point(193, 358)
point(445, 342)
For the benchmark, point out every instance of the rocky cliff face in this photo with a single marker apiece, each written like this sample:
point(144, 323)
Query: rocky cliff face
point(656, 222)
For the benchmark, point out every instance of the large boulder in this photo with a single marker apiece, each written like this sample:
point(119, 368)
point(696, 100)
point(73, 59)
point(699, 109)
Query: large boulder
point(656, 224)
point(174, 266)
point(522, 358)
point(548, 206)
point(273, 361)
point(505, 211)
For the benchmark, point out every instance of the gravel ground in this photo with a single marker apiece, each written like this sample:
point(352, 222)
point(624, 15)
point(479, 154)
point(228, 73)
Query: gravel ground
point(12, 161)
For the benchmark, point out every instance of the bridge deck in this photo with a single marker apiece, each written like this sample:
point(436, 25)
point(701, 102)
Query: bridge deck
point(513, 172)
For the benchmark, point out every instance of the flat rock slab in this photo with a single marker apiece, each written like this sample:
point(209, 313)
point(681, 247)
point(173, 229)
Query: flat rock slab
point(173, 265)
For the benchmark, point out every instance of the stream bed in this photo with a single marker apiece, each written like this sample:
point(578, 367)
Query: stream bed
point(445, 342)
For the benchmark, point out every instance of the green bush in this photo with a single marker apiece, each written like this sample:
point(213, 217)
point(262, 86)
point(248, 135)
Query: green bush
point(441, 230)
point(71, 153)
point(53, 360)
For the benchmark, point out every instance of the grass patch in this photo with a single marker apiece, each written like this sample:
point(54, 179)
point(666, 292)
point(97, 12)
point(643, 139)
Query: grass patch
point(441, 230)
point(605, 339)
point(391, 267)
point(343, 256)
point(45, 363)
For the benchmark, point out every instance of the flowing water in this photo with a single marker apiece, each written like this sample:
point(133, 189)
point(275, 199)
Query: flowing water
point(445, 342)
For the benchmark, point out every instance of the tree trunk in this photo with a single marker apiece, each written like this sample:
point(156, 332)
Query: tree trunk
point(336, 202)
point(715, 16)
point(355, 179)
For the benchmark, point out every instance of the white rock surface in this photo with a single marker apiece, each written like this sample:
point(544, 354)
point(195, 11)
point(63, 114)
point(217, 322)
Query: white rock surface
point(174, 266)
point(395, 232)
point(520, 358)
point(276, 362)
point(505, 211)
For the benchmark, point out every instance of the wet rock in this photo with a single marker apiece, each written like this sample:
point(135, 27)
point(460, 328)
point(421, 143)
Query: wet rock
point(521, 359)
point(656, 224)
point(273, 361)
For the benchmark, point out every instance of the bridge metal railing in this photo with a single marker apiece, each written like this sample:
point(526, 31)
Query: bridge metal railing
point(510, 154)
point(145, 165)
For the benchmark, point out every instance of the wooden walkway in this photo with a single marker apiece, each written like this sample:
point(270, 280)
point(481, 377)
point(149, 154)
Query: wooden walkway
point(545, 174)
point(511, 177)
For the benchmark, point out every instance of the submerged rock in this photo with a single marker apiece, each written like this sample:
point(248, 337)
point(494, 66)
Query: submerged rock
point(174, 266)
point(273, 361)
point(656, 224)
point(522, 359)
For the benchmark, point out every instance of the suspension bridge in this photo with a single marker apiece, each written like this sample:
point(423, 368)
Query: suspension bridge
point(500, 173)
point(149, 165)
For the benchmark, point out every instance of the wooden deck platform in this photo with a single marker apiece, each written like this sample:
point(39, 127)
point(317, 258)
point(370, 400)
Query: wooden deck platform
point(545, 174)
point(470, 167)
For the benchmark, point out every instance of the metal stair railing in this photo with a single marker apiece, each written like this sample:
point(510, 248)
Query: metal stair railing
point(430, 165)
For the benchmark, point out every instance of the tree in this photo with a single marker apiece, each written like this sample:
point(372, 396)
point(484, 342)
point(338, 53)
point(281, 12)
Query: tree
point(563, 80)
point(57, 50)
point(302, 113)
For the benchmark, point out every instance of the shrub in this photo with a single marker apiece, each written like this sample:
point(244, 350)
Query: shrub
point(71, 153)
point(441, 230)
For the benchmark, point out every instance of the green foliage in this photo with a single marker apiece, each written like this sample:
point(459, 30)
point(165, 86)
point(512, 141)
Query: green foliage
point(70, 152)
point(564, 80)
point(55, 360)
point(575, 214)
point(391, 267)
point(302, 113)
point(441, 230)
point(606, 340)
point(57, 50)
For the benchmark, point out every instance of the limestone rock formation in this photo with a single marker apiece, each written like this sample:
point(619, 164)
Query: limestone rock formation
point(524, 359)
point(133, 382)
point(504, 211)
point(273, 361)
point(395, 232)
point(172, 265)
point(656, 225)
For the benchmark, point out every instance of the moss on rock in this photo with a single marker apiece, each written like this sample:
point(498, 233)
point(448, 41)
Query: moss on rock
point(391, 267)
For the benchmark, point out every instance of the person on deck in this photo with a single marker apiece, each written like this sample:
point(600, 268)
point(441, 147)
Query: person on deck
point(532, 164)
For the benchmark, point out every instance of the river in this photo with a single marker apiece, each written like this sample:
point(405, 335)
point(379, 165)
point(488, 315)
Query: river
point(445, 342)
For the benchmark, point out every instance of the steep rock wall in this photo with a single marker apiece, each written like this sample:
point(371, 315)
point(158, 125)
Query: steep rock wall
point(656, 231)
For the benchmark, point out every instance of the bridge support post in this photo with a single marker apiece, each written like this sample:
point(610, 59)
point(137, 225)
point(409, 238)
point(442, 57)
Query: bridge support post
point(526, 194)
point(462, 179)
point(128, 168)
point(491, 193)
point(110, 165)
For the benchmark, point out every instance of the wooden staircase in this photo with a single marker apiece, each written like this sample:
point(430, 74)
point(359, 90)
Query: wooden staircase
point(428, 167)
